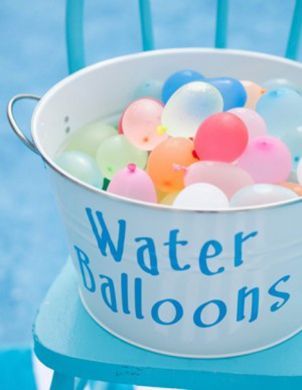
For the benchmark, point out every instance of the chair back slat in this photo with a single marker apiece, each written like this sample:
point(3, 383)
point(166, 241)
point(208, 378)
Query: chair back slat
point(75, 35)
point(294, 36)
point(221, 23)
point(146, 25)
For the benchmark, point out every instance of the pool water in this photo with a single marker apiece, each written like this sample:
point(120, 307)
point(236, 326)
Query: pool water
point(32, 240)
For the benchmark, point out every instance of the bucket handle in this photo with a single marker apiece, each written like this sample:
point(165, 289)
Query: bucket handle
point(10, 116)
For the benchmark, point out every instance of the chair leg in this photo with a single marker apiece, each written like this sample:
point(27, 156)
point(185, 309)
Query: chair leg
point(61, 382)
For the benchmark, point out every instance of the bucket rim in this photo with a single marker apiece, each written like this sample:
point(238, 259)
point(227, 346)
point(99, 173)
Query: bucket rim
point(154, 53)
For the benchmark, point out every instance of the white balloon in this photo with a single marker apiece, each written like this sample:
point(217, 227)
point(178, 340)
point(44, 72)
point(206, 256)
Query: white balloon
point(261, 194)
point(201, 196)
point(189, 106)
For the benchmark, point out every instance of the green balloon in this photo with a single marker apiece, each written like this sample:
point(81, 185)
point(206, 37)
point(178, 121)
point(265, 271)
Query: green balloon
point(88, 138)
point(116, 152)
point(81, 166)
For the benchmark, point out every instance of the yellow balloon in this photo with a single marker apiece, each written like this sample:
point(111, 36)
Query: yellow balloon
point(169, 199)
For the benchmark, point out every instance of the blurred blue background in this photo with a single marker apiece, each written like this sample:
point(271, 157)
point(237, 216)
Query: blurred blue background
point(32, 241)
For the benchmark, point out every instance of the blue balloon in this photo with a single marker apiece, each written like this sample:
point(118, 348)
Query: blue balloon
point(232, 91)
point(177, 80)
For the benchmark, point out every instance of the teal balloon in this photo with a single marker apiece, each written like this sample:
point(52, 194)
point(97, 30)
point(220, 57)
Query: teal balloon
point(81, 166)
point(150, 88)
point(281, 109)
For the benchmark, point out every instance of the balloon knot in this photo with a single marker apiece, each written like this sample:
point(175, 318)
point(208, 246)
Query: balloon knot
point(161, 130)
point(131, 167)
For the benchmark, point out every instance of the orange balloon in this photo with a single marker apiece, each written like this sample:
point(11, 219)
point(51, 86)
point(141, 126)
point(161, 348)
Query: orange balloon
point(292, 186)
point(167, 162)
point(253, 92)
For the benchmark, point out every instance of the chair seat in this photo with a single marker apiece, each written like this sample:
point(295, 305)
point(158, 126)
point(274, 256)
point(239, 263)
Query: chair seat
point(68, 340)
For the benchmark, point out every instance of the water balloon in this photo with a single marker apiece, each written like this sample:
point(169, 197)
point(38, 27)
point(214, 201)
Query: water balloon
point(89, 137)
point(149, 88)
point(134, 183)
point(81, 166)
point(189, 107)
point(267, 159)
point(229, 178)
point(261, 194)
point(177, 80)
point(221, 137)
point(141, 123)
point(164, 161)
point(254, 123)
point(281, 110)
point(201, 196)
point(115, 152)
point(232, 91)
point(280, 83)
point(293, 140)
point(292, 186)
point(253, 92)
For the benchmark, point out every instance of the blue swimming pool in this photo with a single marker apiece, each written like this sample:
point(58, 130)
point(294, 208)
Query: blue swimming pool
point(32, 240)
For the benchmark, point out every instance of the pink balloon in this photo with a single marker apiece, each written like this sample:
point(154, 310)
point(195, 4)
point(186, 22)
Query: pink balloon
point(229, 178)
point(134, 183)
point(141, 123)
point(267, 159)
point(254, 123)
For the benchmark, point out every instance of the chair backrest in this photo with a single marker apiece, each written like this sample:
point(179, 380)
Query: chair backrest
point(75, 30)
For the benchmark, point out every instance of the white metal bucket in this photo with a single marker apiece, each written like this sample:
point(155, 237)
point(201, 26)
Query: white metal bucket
point(184, 283)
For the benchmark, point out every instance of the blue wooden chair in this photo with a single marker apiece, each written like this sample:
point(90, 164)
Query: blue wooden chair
point(68, 341)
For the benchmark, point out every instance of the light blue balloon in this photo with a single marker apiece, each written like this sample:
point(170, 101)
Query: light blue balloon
point(280, 83)
point(150, 88)
point(293, 139)
point(281, 109)
point(81, 166)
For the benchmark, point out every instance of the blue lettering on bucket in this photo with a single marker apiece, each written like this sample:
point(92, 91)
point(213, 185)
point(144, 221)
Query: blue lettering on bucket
point(87, 275)
point(138, 293)
point(284, 296)
point(240, 238)
point(172, 244)
point(124, 294)
point(104, 239)
point(222, 311)
point(205, 254)
point(147, 251)
point(108, 292)
point(243, 294)
point(175, 305)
